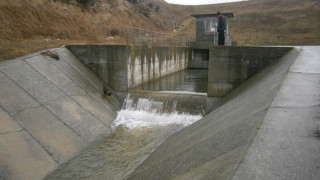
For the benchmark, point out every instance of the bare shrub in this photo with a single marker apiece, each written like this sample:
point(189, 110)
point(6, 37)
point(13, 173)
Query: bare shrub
point(133, 1)
point(114, 32)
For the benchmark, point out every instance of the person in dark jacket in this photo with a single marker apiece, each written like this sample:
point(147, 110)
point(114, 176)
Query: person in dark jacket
point(221, 28)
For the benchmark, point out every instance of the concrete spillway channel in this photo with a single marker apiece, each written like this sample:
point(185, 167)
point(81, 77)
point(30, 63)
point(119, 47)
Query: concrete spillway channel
point(260, 121)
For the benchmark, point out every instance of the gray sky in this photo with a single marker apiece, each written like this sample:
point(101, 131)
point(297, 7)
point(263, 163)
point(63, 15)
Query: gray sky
point(197, 2)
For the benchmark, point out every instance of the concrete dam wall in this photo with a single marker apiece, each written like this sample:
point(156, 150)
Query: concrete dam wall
point(229, 66)
point(125, 67)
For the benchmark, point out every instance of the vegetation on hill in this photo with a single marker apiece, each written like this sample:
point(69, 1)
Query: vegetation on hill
point(30, 25)
point(268, 22)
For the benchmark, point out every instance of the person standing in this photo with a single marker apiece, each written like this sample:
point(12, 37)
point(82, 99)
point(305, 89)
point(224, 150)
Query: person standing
point(221, 28)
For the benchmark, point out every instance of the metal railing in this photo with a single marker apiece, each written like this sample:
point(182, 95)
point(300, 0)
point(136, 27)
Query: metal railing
point(227, 39)
point(139, 36)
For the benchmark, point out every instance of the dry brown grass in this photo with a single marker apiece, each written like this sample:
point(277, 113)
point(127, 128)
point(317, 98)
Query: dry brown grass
point(267, 22)
point(30, 25)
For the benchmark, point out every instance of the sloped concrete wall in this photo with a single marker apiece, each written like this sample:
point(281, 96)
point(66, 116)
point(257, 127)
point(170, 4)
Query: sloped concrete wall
point(49, 111)
point(230, 66)
point(125, 67)
point(287, 145)
point(213, 147)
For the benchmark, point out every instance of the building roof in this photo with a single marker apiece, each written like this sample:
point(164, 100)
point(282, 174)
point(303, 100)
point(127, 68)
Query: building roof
point(229, 15)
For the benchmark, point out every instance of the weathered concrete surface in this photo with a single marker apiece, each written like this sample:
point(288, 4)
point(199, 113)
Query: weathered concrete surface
point(199, 58)
point(7, 123)
point(124, 67)
point(213, 147)
point(287, 146)
point(230, 66)
point(49, 111)
point(23, 158)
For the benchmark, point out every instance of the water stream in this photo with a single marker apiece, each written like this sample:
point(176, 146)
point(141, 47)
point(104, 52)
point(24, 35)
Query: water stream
point(191, 80)
point(137, 131)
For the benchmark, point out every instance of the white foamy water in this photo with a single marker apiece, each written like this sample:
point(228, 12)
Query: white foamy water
point(136, 118)
point(149, 113)
point(140, 127)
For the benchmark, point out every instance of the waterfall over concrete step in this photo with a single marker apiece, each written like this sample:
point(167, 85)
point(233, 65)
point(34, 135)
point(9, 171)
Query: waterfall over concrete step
point(139, 128)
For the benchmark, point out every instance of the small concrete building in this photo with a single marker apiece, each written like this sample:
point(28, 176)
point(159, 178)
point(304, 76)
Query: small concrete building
point(206, 36)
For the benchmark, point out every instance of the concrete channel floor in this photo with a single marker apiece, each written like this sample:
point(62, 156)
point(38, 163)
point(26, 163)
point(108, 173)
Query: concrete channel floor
point(287, 146)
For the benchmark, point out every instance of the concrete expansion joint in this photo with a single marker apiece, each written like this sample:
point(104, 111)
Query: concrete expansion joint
point(78, 70)
point(298, 72)
point(11, 132)
point(24, 109)
point(176, 154)
point(26, 90)
point(56, 99)
point(34, 138)
point(295, 107)
point(43, 147)
point(90, 112)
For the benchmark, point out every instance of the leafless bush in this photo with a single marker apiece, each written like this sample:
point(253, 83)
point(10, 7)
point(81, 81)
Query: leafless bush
point(114, 32)
point(133, 1)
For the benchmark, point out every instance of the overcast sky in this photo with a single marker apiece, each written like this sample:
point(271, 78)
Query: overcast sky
point(197, 2)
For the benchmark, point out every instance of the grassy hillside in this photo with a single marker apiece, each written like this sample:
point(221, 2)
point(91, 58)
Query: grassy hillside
point(266, 22)
point(30, 25)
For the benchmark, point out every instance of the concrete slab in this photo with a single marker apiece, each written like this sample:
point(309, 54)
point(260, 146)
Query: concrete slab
point(218, 168)
point(74, 75)
point(109, 102)
point(81, 68)
point(298, 90)
point(13, 98)
point(311, 53)
point(41, 125)
point(21, 158)
point(42, 65)
point(98, 110)
point(78, 119)
point(31, 81)
point(286, 147)
point(7, 123)
point(57, 138)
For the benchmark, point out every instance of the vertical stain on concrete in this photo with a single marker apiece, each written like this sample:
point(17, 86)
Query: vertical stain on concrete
point(133, 62)
point(130, 66)
point(153, 61)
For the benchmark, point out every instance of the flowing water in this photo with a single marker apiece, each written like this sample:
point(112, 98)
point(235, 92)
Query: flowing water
point(137, 131)
point(191, 80)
